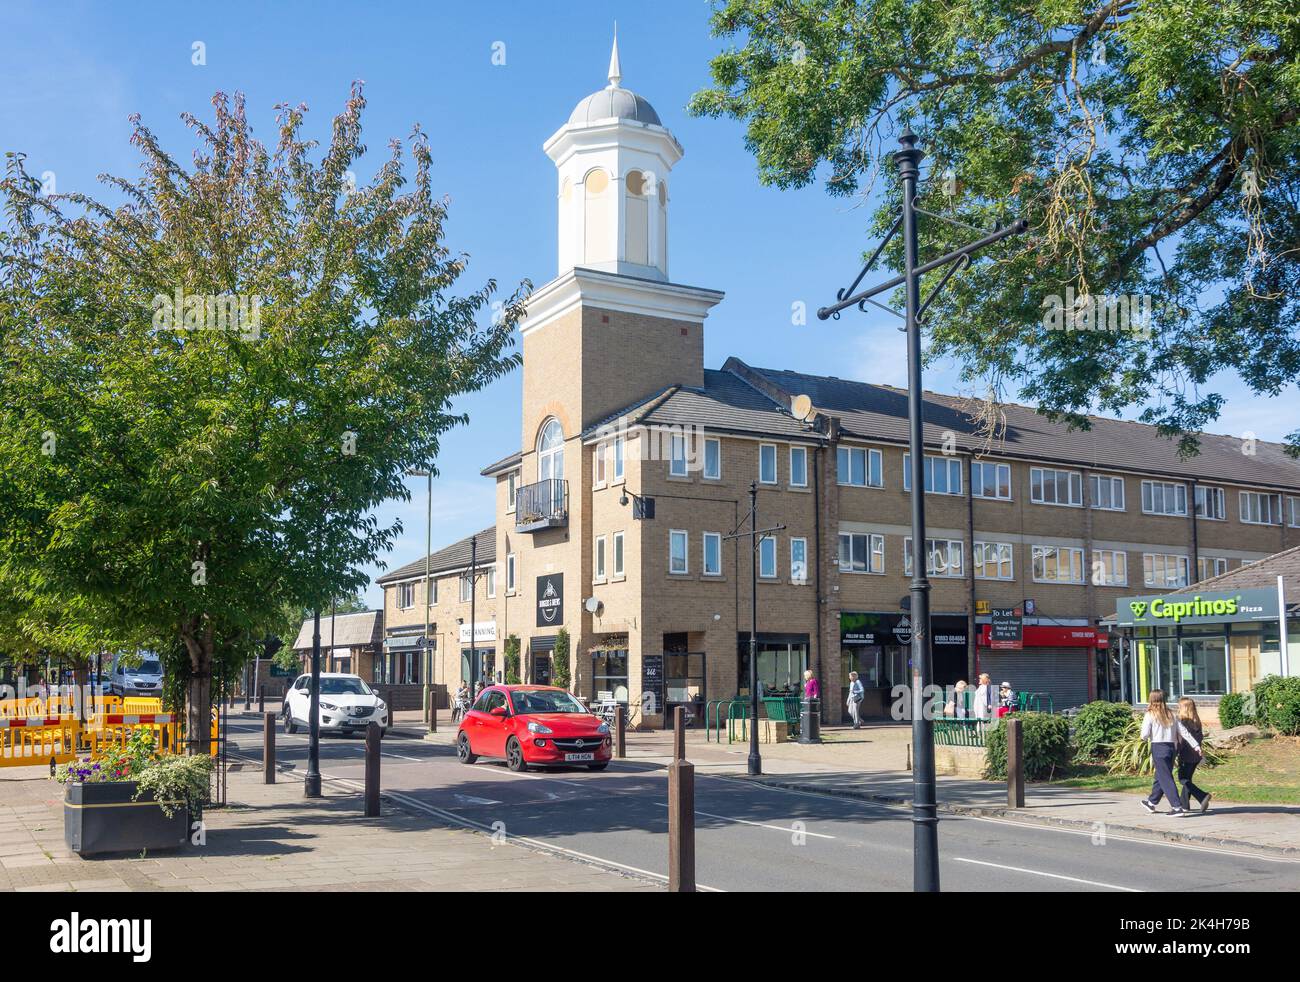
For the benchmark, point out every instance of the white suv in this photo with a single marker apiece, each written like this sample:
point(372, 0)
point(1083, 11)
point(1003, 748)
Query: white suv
point(347, 704)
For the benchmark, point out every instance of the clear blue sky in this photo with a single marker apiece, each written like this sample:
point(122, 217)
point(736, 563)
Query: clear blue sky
point(75, 72)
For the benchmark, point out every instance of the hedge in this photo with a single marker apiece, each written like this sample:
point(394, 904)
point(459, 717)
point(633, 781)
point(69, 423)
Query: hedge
point(1232, 710)
point(1046, 740)
point(1098, 726)
point(1277, 704)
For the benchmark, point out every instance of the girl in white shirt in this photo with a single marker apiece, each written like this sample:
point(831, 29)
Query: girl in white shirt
point(1164, 729)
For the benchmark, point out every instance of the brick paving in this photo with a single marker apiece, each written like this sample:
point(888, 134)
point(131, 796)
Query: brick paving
point(272, 838)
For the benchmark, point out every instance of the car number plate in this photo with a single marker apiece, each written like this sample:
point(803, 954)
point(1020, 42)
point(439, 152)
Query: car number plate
point(579, 756)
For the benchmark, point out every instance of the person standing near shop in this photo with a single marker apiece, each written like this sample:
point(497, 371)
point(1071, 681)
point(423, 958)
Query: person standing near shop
point(810, 688)
point(986, 697)
point(856, 694)
point(1189, 757)
point(1164, 730)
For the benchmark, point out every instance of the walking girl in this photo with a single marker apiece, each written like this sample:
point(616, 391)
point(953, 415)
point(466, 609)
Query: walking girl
point(1189, 758)
point(1164, 730)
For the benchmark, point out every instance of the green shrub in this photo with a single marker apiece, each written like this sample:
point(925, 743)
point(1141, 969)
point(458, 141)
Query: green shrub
point(1277, 703)
point(1046, 746)
point(512, 660)
point(562, 673)
point(1097, 726)
point(1232, 710)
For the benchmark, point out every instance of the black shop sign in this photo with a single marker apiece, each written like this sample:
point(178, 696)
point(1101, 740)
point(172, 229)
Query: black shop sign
point(550, 600)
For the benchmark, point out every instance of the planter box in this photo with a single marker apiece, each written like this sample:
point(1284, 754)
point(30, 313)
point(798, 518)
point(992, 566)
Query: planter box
point(103, 818)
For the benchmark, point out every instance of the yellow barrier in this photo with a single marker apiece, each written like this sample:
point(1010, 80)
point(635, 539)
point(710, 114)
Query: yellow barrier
point(59, 705)
point(32, 741)
point(33, 746)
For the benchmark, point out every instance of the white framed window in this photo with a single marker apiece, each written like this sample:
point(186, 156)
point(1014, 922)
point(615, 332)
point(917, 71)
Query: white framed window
point(712, 459)
point(990, 480)
point(491, 581)
point(599, 465)
point(993, 560)
point(618, 555)
point(550, 451)
point(1258, 508)
point(1207, 566)
point(620, 448)
point(767, 463)
point(859, 467)
point(1293, 512)
point(1165, 570)
point(1052, 487)
point(942, 557)
point(466, 588)
point(1164, 498)
point(798, 560)
point(677, 454)
point(512, 485)
point(1109, 567)
point(798, 467)
point(598, 572)
point(862, 552)
point(512, 561)
point(1210, 504)
point(405, 596)
point(1057, 564)
point(942, 474)
point(1107, 493)
point(767, 557)
point(712, 553)
point(678, 551)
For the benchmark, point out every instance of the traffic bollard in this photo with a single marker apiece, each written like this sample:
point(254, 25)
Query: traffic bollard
point(620, 731)
point(681, 812)
point(433, 710)
point(261, 699)
point(268, 748)
point(1015, 764)
point(373, 740)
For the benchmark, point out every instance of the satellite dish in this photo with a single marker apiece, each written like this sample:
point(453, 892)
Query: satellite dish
point(801, 407)
point(592, 605)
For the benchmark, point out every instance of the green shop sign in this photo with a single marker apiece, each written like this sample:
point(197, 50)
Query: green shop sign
point(1219, 607)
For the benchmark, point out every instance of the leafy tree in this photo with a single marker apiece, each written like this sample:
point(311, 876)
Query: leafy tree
point(511, 658)
point(1152, 147)
point(186, 474)
point(562, 674)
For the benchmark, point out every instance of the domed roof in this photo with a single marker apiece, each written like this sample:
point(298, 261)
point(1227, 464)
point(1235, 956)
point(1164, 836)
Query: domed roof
point(617, 103)
point(614, 101)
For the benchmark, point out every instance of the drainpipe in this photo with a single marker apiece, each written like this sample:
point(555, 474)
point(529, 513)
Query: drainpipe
point(970, 573)
point(817, 563)
point(1194, 574)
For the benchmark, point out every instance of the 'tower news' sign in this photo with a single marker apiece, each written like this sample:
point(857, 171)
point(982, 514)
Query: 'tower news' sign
point(1215, 607)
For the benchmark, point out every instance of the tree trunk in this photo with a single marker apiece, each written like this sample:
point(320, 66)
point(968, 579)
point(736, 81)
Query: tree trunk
point(198, 693)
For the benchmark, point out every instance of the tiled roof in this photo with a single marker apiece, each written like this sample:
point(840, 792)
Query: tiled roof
point(348, 630)
point(1262, 573)
point(880, 412)
point(454, 556)
point(505, 463)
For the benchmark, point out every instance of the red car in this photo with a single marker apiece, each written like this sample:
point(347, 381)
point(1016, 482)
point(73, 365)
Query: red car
point(537, 725)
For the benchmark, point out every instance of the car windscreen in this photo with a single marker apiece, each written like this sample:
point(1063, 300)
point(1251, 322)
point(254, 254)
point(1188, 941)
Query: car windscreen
point(545, 701)
point(149, 666)
point(344, 687)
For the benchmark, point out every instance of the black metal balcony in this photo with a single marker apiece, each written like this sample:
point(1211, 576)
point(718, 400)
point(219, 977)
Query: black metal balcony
point(544, 505)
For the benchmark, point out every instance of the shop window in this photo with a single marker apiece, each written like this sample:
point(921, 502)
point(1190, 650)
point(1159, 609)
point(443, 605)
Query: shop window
point(609, 676)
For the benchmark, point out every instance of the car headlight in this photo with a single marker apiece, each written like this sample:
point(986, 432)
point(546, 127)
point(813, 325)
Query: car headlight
point(328, 705)
point(603, 729)
point(538, 728)
point(379, 706)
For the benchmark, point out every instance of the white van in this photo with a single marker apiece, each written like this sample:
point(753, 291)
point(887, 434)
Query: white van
point(136, 675)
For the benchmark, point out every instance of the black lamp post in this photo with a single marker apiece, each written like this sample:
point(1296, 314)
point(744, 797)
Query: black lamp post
point(311, 785)
point(925, 819)
point(474, 576)
point(756, 537)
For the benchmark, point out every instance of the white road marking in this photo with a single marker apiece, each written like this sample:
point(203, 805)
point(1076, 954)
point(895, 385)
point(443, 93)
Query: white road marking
point(760, 825)
point(469, 799)
point(1054, 876)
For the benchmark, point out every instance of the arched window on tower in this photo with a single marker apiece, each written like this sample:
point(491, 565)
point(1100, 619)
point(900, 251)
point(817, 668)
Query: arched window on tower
point(636, 211)
point(550, 451)
point(600, 218)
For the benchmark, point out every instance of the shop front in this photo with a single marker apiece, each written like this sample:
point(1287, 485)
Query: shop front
point(1202, 645)
point(478, 653)
point(782, 659)
point(1050, 663)
point(877, 645)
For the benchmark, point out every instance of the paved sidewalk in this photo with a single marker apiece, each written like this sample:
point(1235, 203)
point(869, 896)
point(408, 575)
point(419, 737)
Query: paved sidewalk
point(271, 838)
point(871, 763)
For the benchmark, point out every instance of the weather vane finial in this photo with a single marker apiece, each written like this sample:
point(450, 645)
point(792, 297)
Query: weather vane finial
point(615, 73)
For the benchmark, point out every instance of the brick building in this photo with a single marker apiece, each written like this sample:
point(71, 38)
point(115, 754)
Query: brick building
point(636, 462)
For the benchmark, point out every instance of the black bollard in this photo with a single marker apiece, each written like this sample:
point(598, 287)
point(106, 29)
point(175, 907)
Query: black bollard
point(268, 748)
point(681, 812)
point(372, 769)
point(620, 731)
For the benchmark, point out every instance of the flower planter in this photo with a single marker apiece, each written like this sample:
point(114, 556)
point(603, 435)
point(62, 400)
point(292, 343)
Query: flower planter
point(103, 817)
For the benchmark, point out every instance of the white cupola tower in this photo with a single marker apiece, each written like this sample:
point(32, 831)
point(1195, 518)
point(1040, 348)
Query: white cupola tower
point(613, 157)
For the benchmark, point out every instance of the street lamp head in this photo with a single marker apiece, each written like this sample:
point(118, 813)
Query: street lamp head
point(622, 499)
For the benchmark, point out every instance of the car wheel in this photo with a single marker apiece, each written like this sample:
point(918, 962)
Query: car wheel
point(289, 725)
point(515, 756)
point(463, 751)
point(598, 767)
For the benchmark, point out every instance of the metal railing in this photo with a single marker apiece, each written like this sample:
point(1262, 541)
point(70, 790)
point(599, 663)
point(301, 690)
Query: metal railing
point(542, 505)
